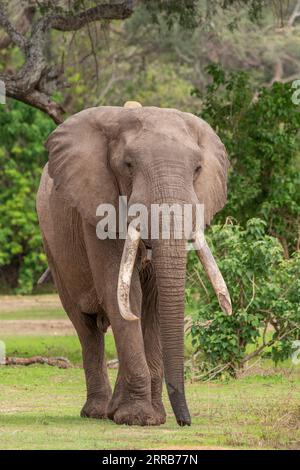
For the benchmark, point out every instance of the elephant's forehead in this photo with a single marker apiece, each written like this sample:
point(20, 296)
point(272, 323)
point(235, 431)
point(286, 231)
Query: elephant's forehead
point(164, 120)
point(152, 117)
point(157, 128)
point(160, 131)
point(151, 112)
point(169, 122)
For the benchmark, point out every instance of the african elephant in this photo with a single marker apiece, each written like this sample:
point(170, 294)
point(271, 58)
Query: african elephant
point(153, 156)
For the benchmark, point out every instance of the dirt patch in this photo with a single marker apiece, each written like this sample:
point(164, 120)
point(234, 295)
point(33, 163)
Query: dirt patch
point(36, 327)
point(12, 303)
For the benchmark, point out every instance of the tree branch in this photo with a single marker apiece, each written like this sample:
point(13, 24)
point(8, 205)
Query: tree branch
point(35, 97)
point(35, 82)
point(8, 27)
point(22, 26)
point(295, 14)
point(68, 22)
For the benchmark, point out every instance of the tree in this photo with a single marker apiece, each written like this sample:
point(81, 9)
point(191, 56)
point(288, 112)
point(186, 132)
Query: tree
point(38, 79)
point(157, 57)
point(260, 129)
point(35, 82)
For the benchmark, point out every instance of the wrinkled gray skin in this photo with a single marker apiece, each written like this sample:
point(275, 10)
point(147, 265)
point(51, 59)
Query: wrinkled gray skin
point(152, 155)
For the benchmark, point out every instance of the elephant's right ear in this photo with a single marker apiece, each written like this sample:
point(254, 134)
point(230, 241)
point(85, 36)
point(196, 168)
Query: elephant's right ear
point(78, 160)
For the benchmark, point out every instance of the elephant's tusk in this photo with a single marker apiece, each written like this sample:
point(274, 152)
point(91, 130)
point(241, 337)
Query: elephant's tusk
point(125, 274)
point(213, 273)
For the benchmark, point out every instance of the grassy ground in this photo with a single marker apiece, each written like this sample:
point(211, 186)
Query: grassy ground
point(40, 405)
point(56, 346)
point(39, 409)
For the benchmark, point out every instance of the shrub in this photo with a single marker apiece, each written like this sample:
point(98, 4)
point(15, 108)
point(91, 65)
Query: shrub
point(265, 293)
point(260, 129)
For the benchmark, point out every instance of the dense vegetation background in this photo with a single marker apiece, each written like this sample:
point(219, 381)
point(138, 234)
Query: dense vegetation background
point(235, 68)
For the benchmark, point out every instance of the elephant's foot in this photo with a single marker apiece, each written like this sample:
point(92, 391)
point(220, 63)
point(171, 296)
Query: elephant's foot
point(160, 413)
point(94, 408)
point(138, 413)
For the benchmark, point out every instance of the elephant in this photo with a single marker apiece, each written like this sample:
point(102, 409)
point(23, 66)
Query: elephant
point(151, 155)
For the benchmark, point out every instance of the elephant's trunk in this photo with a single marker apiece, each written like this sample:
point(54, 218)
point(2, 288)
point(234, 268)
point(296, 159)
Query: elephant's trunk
point(169, 259)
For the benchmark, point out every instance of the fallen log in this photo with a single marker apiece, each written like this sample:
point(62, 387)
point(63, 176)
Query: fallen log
point(60, 362)
point(113, 364)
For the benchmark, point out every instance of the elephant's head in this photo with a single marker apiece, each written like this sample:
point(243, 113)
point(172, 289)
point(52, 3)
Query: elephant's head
point(151, 155)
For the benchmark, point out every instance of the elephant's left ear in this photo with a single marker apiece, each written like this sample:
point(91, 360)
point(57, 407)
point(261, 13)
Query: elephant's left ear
point(211, 183)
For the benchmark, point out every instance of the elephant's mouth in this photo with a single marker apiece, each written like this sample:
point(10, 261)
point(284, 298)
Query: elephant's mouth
point(204, 254)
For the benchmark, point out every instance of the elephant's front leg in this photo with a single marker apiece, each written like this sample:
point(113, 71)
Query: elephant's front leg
point(131, 401)
point(151, 334)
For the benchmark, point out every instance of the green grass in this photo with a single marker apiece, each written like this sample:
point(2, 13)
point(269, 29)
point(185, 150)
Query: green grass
point(54, 346)
point(66, 346)
point(40, 407)
point(34, 313)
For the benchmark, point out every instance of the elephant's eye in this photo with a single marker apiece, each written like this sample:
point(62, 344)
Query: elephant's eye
point(198, 169)
point(128, 164)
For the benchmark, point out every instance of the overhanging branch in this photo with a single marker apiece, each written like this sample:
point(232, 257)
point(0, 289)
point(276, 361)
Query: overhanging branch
point(23, 24)
point(35, 82)
point(17, 38)
point(115, 11)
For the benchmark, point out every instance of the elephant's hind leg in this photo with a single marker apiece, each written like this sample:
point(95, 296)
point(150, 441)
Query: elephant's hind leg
point(151, 334)
point(97, 383)
point(91, 338)
point(94, 364)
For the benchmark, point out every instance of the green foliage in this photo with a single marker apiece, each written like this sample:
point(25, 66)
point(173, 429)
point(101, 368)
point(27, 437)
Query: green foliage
point(189, 13)
point(255, 7)
point(22, 157)
point(260, 131)
point(172, 11)
point(265, 293)
point(161, 51)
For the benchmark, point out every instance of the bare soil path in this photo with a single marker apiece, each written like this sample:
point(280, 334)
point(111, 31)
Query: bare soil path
point(21, 302)
point(36, 327)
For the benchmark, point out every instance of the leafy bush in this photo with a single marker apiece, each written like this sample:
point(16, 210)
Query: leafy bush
point(22, 157)
point(265, 293)
point(260, 130)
